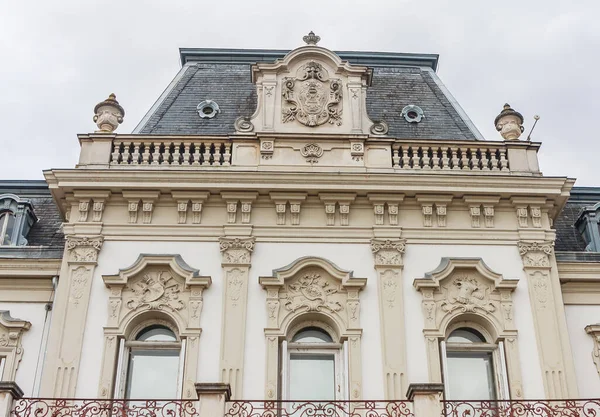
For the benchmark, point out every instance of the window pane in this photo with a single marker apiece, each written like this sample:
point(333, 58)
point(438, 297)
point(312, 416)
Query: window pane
point(312, 335)
point(7, 224)
point(312, 377)
point(156, 334)
point(470, 376)
point(153, 374)
point(465, 335)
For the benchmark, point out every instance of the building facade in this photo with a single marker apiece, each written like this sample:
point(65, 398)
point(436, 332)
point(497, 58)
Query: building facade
point(304, 225)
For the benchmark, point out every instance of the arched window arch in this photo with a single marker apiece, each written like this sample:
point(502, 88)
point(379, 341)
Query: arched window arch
point(152, 363)
point(313, 365)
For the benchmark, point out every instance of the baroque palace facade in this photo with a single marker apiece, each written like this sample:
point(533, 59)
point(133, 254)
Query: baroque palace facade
point(300, 233)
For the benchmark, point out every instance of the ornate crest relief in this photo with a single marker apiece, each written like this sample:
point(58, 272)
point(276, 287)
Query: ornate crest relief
point(313, 292)
point(157, 290)
point(312, 98)
point(467, 294)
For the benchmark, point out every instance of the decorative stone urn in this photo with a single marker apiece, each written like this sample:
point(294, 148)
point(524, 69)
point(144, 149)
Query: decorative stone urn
point(509, 123)
point(108, 114)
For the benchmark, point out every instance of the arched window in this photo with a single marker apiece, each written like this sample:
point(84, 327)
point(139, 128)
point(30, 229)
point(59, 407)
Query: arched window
point(473, 367)
point(151, 364)
point(313, 366)
point(7, 225)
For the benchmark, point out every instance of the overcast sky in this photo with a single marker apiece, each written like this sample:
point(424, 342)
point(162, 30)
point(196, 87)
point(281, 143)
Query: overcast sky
point(59, 58)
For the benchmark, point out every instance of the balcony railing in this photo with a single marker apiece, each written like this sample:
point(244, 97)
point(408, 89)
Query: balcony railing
point(522, 408)
point(319, 409)
point(402, 155)
point(47, 407)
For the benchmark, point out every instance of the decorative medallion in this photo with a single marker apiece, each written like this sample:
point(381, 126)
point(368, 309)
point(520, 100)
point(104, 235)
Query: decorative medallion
point(312, 98)
point(468, 295)
point(157, 290)
point(312, 152)
point(313, 292)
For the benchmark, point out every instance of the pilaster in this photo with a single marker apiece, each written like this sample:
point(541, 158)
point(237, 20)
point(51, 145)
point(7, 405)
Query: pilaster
point(68, 324)
point(388, 264)
point(549, 319)
point(236, 259)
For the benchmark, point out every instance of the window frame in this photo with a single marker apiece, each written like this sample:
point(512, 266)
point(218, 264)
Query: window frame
point(5, 215)
point(336, 348)
point(127, 345)
point(495, 350)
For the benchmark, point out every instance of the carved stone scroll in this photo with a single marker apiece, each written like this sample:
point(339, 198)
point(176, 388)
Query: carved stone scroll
point(388, 264)
point(549, 319)
point(68, 323)
point(236, 257)
point(594, 331)
point(466, 286)
point(11, 349)
point(325, 295)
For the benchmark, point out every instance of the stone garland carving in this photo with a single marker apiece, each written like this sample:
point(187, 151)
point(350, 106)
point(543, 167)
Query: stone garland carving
point(467, 286)
point(11, 349)
point(60, 379)
point(161, 284)
point(388, 264)
point(312, 286)
point(312, 97)
point(236, 257)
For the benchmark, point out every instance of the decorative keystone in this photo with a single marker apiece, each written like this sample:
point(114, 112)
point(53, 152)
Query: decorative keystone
point(509, 123)
point(108, 114)
point(311, 38)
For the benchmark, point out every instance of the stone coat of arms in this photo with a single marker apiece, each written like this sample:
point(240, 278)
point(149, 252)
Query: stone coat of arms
point(312, 98)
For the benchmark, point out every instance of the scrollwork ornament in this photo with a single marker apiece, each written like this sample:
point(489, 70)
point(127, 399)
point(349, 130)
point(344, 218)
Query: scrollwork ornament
point(243, 124)
point(84, 249)
point(379, 128)
point(236, 250)
point(536, 254)
point(388, 252)
point(312, 152)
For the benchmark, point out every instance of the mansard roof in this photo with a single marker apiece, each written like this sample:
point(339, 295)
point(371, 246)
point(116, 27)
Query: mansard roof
point(568, 238)
point(45, 239)
point(224, 76)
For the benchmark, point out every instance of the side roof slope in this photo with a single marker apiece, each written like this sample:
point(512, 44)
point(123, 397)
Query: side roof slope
point(223, 75)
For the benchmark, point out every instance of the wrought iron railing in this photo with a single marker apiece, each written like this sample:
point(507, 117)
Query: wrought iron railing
point(319, 409)
point(522, 408)
point(49, 407)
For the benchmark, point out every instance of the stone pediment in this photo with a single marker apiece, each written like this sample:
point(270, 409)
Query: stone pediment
point(310, 90)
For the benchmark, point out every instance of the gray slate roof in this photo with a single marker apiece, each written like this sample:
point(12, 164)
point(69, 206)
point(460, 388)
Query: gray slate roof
point(224, 76)
point(568, 237)
point(46, 235)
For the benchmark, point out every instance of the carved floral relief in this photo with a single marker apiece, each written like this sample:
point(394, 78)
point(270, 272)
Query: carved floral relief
point(313, 293)
point(156, 290)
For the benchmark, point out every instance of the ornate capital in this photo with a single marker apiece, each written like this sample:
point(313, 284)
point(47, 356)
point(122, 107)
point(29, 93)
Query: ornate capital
point(236, 250)
point(536, 254)
point(388, 252)
point(84, 249)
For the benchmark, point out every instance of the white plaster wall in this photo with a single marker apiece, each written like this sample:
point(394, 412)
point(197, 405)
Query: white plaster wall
point(203, 256)
point(582, 344)
point(353, 257)
point(35, 313)
point(420, 259)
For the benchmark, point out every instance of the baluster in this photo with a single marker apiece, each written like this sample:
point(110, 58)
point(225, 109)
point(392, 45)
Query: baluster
point(437, 157)
point(405, 158)
point(186, 153)
point(146, 153)
point(227, 154)
point(114, 159)
point(464, 159)
point(426, 158)
point(126, 153)
point(503, 161)
point(455, 160)
point(485, 160)
point(197, 154)
point(156, 154)
point(445, 159)
point(206, 155)
point(395, 156)
point(494, 160)
point(135, 156)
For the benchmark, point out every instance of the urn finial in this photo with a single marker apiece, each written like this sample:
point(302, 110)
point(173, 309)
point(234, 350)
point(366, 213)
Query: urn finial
point(311, 38)
point(108, 114)
point(509, 123)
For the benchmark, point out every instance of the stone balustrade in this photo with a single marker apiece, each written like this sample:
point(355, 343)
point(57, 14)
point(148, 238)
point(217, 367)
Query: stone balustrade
point(138, 151)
